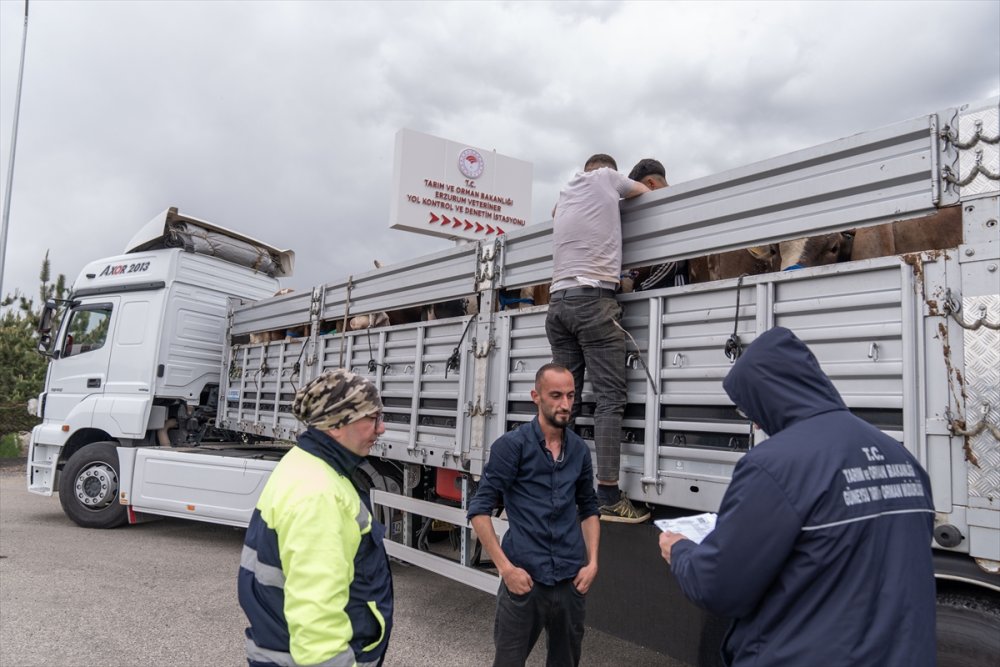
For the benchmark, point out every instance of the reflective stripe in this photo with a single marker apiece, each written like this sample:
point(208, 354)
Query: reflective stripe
point(268, 575)
point(364, 519)
point(258, 654)
point(282, 659)
point(866, 518)
point(381, 624)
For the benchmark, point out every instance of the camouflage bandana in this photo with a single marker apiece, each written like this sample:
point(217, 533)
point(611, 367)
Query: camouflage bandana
point(335, 399)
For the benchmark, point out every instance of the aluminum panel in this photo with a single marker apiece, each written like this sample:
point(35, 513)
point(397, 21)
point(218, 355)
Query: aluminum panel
point(449, 274)
point(982, 398)
point(444, 275)
point(852, 321)
point(982, 158)
point(272, 314)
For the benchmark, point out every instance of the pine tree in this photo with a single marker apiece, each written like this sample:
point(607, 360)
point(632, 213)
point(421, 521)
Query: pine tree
point(22, 368)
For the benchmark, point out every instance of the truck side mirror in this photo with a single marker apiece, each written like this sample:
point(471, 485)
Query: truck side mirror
point(45, 328)
point(45, 320)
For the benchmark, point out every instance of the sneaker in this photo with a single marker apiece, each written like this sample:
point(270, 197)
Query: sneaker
point(624, 511)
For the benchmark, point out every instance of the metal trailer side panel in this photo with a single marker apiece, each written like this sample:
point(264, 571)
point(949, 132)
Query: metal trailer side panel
point(424, 373)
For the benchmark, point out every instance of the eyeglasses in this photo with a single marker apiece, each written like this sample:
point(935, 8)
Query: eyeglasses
point(378, 418)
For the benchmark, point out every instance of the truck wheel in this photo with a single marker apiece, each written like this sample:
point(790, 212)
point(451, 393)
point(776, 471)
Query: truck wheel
point(374, 474)
point(967, 630)
point(88, 487)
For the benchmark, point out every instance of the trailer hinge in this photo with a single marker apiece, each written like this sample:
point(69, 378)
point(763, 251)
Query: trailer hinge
point(413, 450)
point(479, 408)
point(480, 351)
point(488, 264)
point(657, 481)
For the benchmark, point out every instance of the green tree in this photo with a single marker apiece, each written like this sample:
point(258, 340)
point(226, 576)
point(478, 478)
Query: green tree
point(22, 368)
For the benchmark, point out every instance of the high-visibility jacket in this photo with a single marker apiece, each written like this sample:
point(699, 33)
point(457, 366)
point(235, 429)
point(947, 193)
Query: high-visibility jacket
point(314, 577)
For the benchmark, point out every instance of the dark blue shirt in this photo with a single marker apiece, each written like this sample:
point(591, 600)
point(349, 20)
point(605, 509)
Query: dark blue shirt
point(545, 499)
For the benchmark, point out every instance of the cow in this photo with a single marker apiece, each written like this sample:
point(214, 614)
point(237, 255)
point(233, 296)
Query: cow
point(424, 313)
point(933, 232)
point(263, 337)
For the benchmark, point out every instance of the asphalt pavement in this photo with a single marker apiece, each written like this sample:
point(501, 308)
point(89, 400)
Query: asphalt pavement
point(163, 594)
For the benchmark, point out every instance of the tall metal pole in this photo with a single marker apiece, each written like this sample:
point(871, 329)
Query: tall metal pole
point(13, 147)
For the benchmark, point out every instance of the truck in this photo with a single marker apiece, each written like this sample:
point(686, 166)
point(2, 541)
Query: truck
point(168, 394)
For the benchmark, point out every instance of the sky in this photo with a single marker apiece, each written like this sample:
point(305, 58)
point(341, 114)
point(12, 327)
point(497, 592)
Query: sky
point(278, 119)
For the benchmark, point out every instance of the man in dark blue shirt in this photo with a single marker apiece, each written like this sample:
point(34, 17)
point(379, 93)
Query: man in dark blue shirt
point(541, 472)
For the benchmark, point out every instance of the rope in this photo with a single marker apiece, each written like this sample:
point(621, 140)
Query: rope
point(734, 348)
point(455, 361)
point(347, 312)
point(372, 364)
point(950, 136)
point(510, 301)
point(638, 355)
point(952, 307)
point(297, 366)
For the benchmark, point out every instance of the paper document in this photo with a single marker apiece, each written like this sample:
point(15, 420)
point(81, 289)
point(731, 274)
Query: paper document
point(695, 528)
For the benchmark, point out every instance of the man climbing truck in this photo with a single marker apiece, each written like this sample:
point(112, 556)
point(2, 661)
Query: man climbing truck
point(163, 396)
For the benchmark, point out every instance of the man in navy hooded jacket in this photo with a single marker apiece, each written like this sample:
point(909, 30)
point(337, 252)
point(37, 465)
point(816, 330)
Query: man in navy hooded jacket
point(822, 549)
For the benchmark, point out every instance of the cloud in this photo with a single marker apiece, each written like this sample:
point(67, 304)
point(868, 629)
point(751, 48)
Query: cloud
point(278, 118)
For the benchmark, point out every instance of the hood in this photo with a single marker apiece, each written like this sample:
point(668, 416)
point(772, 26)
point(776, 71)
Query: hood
point(778, 382)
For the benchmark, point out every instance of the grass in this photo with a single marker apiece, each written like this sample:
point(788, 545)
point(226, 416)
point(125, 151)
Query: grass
point(8, 447)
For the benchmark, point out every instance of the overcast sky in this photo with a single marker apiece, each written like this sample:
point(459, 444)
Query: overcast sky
point(278, 118)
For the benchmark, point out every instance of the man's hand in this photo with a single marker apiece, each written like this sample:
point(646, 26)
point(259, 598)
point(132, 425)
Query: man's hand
point(517, 580)
point(585, 577)
point(667, 542)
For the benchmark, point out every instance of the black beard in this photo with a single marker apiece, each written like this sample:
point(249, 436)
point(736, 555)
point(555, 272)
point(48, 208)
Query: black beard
point(552, 420)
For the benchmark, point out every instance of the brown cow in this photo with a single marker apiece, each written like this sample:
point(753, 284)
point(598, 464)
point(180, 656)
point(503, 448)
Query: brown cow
point(816, 250)
point(278, 334)
point(933, 232)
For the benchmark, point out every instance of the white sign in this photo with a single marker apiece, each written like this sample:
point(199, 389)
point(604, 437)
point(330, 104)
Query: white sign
point(444, 188)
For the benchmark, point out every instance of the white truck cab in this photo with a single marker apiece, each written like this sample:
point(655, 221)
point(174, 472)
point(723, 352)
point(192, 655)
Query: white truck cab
point(137, 355)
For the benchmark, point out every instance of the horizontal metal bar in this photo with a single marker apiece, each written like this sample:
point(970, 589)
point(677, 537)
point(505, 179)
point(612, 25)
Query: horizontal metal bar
point(488, 583)
point(452, 515)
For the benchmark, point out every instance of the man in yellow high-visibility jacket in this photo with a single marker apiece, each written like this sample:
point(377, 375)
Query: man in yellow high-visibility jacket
point(314, 577)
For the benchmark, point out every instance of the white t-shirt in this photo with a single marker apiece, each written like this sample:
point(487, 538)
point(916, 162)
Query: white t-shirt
point(587, 229)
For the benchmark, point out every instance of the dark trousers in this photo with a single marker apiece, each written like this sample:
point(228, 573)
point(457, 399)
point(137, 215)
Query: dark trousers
point(582, 333)
point(520, 619)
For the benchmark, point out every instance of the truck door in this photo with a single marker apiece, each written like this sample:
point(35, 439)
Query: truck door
point(80, 370)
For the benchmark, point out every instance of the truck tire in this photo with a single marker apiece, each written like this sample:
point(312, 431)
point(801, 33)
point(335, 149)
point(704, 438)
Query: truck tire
point(967, 630)
point(88, 487)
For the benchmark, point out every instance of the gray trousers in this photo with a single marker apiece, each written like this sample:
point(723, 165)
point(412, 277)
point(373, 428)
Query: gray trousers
point(582, 334)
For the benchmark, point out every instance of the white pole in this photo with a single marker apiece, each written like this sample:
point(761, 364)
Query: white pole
point(13, 146)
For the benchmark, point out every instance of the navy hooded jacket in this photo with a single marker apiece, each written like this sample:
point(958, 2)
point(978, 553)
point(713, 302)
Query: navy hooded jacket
point(822, 549)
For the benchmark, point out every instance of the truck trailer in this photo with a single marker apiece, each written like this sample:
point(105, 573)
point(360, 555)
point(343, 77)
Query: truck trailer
point(169, 394)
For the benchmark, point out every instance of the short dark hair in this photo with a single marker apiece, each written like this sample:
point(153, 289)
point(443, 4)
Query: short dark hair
point(600, 160)
point(647, 167)
point(551, 366)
